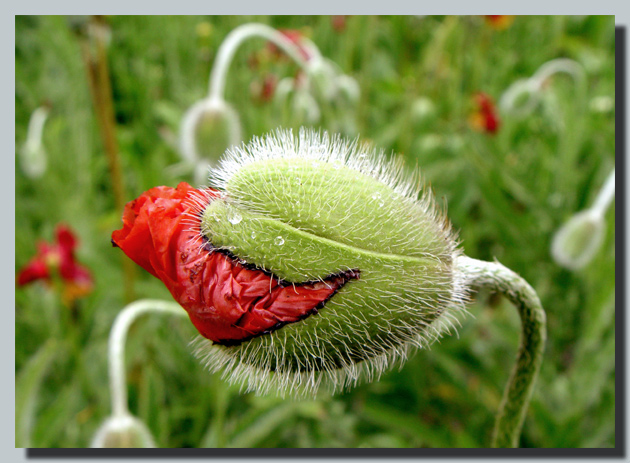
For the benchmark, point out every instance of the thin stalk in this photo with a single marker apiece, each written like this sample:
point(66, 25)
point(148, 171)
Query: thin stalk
point(117, 339)
point(518, 392)
point(605, 195)
point(239, 35)
point(101, 91)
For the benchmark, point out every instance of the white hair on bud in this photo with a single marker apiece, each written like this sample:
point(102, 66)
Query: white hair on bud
point(421, 307)
point(316, 146)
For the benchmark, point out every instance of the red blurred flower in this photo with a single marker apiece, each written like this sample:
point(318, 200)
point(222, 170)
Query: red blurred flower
point(264, 91)
point(338, 22)
point(294, 36)
point(57, 260)
point(498, 21)
point(226, 300)
point(485, 117)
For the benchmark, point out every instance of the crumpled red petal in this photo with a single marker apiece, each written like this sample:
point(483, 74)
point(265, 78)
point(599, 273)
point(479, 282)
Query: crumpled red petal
point(227, 302)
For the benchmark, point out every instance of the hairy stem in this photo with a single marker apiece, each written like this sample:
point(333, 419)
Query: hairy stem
point(517, 394)
point(117, 338)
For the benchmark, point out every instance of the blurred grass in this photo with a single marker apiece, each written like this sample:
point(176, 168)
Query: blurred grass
point(506, 195)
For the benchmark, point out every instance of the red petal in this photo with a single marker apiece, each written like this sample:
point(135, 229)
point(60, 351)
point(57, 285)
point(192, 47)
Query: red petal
point(226, 301)
point(36, 269)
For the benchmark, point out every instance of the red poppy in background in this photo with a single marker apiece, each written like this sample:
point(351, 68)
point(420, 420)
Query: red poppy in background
point(499, 21)
point(227, 301)
point(339, 22)
point(58, 260)
point(263, 91)
point(485, 117)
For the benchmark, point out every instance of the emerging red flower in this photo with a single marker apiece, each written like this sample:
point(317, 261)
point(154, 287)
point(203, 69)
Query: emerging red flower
point(58, 260)
point(227, 301)
point(485, 117)
point(499, 21)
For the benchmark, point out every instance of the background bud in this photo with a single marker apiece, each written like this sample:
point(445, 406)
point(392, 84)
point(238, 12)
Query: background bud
point(422, 112)
point(305, 208)
point(208, 128)
point(123, 431)
point(33, 159)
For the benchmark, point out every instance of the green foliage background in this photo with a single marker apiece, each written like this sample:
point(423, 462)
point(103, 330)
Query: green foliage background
point(506, 194)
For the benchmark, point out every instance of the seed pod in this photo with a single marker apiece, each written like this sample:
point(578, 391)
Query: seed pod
point(208, 127)
point(123, 431)
point(311, 260)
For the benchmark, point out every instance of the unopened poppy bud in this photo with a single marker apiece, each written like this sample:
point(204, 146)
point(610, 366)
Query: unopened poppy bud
point(208, 128)
point(33, 159)
point(317, 211)
point(578, 240)
point(123, 431)
point(422, 112)
point(312, 260)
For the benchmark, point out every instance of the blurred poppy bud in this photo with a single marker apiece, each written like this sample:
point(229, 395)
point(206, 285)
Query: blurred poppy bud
point(422, 112)
point(309, 260)
point(293, 97)
point(578, 240)
point(123, 431)
point(33, 159)
point(208, 128)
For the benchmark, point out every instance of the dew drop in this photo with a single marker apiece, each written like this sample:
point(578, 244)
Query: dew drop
point(235, 218)
point(253, 235)
point(377, 197)
point(279, 241)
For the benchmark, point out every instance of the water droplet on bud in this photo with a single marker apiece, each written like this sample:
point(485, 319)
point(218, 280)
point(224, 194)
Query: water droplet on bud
point(235, 218)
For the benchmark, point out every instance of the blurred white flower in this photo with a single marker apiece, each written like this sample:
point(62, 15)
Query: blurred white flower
point(578, 240)
point(33, 155)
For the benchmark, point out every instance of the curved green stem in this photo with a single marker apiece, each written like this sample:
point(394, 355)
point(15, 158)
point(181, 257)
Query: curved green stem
point(117, 338)
point(240, 34)
point(496, 277)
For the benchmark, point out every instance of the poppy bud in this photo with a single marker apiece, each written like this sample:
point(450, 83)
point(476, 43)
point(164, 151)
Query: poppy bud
point(575, 244)
point(33, 159)
point(310, 259)
point(123, 431)
point(422, 112)
point(208, 127)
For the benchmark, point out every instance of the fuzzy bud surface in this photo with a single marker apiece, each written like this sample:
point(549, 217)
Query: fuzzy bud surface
point(310, 259)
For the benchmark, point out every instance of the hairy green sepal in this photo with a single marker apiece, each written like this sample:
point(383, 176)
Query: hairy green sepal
point(303, 220)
